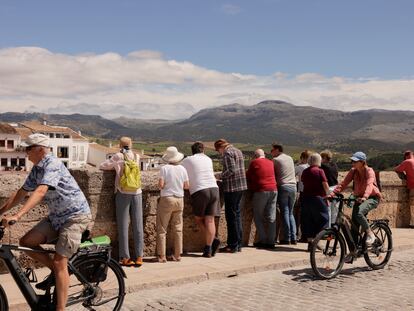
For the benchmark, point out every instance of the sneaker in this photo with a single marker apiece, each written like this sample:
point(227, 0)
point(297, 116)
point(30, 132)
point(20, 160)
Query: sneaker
point(349, 258)
point(214, 247)
point(48, 282)
point(228, 249)
point(370, 240)
point(138, 262)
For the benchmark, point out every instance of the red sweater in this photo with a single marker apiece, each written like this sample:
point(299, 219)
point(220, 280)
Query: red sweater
point(261, 175)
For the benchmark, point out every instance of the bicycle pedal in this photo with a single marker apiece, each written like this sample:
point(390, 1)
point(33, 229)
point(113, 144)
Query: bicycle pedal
point(31, 275)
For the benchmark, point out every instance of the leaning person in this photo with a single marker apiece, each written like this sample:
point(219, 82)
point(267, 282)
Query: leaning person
point(128, 204)
point(172, 182)
point(205, 196)
point(314, 210)
point(407, 167)
point(233, 177)
point(261, 181)
point(68, 213)
point(331, 172)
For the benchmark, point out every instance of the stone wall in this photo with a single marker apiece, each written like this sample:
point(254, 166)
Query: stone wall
point(98, 187)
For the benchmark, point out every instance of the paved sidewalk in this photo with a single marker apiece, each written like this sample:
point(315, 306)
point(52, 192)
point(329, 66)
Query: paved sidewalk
point(194, 268)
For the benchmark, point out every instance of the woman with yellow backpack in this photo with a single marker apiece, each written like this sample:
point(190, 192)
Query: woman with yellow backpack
point(128, 201)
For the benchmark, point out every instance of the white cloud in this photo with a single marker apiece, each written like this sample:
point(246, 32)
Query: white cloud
point(146, 85)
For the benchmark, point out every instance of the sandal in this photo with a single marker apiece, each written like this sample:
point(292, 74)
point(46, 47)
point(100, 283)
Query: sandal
point(127, 262)
point(138, 262)
point(173, 258)
point(161, 259)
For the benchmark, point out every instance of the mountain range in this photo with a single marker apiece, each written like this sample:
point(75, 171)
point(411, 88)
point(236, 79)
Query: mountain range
point(262, 123)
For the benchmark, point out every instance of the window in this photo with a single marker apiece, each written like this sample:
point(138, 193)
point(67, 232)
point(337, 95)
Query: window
point(22, 162)
point(51, 135)
point(58, 135)
point(10, 144)
point(74, 153)
point(3, 162)
point(81, 153)
point(2, 143)
point(66, 136)
point(62, 152)
point(13, 162)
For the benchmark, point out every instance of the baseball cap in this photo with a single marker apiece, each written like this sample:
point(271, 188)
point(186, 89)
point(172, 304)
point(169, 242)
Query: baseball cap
point(36, 140)
point(359, 156)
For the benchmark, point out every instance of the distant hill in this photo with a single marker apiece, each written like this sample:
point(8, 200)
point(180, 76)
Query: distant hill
point(263, 123)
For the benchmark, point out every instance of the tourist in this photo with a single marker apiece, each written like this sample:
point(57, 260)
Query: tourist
point(205, 196)
point(314, 210)
point(299, 168)
point(234, 184)
point(173, 179)
point(128, 205)
point(407, 168)
point(261, 181)
point(331, 172)
point(286, 186)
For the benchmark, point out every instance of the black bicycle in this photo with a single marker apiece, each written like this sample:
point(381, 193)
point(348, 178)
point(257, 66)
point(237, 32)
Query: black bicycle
point(96, 280)
point(328, 249)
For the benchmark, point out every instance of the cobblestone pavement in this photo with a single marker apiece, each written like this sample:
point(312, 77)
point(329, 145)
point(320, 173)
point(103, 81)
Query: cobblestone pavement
point(356, 288)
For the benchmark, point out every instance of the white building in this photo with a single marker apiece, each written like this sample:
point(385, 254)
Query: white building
point(12, 157)
point(66, 144)
point(99, 153)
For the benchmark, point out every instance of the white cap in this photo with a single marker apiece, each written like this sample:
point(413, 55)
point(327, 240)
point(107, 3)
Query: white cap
point(36, 140)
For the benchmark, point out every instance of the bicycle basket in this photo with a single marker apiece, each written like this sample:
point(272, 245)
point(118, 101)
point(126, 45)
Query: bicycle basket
point(94, 271)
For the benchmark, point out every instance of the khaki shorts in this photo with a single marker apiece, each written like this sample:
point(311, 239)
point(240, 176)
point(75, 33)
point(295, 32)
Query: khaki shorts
point(69, 236)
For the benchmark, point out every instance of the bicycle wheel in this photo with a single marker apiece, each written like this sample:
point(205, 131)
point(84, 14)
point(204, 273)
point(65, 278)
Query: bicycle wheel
point(327, 253)
point(4, 305)
point(108, 292)
point(379, 253)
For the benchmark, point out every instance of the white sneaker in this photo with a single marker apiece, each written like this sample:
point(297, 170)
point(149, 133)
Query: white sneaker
point(370, 240)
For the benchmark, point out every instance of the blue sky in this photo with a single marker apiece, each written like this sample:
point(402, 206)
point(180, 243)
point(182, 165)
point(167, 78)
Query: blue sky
point(355, 40)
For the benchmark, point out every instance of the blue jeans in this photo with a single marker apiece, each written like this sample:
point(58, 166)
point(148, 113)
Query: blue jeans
point(286, 200)
point(264, 212)
point(233, 218)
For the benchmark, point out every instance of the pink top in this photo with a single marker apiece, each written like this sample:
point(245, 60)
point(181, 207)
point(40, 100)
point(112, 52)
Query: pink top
point(365, 184)
point(407, 166)
point(116, 162)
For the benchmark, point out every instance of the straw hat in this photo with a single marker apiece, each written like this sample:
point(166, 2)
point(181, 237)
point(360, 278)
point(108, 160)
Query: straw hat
point(172, 155)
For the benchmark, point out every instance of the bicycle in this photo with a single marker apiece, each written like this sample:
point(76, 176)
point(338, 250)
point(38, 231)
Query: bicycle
point(96, 279)
point(327, 251)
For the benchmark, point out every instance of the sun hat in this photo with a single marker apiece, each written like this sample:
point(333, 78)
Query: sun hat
point(36, 140)
point(172, 155)
point(359, 156)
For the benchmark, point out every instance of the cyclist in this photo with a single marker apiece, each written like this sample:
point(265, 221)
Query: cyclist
point(367, 193)
point(68, 213)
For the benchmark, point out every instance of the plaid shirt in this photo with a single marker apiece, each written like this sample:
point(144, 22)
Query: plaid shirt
point(234, 175)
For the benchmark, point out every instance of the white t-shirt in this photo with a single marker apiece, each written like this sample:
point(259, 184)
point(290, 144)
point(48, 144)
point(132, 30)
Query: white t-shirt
point(298, 172)
point(200, 172)
point(174, 177)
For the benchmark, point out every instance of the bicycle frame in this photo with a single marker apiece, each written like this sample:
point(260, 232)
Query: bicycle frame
point(18, 274)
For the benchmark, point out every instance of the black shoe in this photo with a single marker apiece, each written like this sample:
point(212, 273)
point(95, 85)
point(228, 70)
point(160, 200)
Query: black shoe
point(293, 242)
point(48, 282)
point(228, 249)
point(207, 252)
point(214, 246)
point(284, 242)
point(259, 244)
point(269, 246)
point(239, 249)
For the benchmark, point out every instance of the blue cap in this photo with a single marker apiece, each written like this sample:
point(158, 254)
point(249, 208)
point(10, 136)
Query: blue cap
point(359, 156)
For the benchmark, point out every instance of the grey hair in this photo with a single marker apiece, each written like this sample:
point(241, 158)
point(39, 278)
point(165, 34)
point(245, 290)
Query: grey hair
point(259, 153)
point(315, 159)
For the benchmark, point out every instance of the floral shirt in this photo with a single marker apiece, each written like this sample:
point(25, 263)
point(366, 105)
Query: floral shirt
point(64, 197)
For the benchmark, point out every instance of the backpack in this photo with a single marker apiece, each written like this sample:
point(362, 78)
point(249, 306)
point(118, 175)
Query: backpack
point(131, 177)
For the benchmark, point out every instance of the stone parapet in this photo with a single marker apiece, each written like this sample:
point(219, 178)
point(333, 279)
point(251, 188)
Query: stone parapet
point(98, 187)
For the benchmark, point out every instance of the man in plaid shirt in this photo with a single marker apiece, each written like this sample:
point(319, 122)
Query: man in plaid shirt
point(234, 183)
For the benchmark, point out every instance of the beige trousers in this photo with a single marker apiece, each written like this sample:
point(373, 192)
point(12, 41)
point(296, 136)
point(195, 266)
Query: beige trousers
point(411, 202)
point(170, 209)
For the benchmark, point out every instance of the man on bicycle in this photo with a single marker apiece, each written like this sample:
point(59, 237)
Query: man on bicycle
point(366, 191)
point(69, 213)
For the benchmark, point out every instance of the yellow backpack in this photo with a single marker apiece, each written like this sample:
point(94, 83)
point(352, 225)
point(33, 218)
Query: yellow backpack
point(131, 178)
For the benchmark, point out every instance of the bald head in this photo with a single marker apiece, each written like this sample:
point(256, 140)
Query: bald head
point(259, 153)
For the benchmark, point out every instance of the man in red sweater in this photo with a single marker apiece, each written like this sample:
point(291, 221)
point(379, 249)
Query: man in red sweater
point(262, 182)
point(407, 167)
